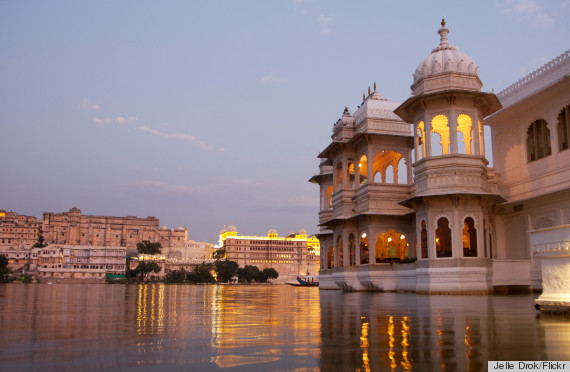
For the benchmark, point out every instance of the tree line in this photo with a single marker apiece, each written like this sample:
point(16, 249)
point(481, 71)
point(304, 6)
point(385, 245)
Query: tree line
point(221, 271)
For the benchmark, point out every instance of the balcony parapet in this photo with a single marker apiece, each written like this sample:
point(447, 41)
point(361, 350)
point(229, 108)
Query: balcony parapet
point(377, 198)
point(457, 173)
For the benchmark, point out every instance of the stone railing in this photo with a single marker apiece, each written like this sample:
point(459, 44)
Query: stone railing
point(537, 75)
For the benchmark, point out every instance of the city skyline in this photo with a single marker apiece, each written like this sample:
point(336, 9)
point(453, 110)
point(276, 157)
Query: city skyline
point(206, 114)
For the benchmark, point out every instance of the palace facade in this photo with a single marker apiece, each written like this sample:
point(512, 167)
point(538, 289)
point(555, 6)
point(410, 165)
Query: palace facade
point(409, 202)
point(292, 255)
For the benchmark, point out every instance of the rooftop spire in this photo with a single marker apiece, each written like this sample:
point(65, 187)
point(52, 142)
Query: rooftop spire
point(443, 43)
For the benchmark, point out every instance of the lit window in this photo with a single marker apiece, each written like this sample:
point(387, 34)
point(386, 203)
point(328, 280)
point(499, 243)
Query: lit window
point(538, 140)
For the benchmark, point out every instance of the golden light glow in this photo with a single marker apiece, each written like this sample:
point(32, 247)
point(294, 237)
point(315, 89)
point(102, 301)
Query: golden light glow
point(391, 339)
point(464, 125)
point(439, 126)
point(364, 345)
point(422, 139)
point(363, 235)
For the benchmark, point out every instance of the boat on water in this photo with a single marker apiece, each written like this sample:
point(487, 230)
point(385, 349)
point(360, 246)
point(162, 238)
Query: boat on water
point(306, 281)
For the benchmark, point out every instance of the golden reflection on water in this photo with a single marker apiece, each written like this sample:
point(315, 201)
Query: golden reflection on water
point(364, 344)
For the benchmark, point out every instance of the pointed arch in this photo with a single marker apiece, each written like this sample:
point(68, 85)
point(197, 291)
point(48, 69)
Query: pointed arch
point(464, 134)
point(439, 125)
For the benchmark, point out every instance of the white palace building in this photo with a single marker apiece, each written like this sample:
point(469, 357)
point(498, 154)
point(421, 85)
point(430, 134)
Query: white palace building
point(409, 202)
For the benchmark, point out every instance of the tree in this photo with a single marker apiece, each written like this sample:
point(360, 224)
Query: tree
point(40, 243)
point(3, 268)
point(271, 273)
point(225, 270)
point(144, 268)
point(249, 273)
point(219, 254)
point(146, 247)
point(202, 273)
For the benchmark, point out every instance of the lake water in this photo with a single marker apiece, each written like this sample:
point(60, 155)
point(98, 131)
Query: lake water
point(94, 327)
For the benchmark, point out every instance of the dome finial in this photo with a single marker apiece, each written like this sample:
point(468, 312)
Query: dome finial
point(443, 31)
point(375, 86)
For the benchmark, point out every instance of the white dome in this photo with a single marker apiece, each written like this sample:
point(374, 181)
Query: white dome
point(232, 228)
point(272, 231)
point(164, 227)
point(302, 232)
point(445, 58)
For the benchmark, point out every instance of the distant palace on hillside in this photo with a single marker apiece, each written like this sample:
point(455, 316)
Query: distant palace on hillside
point(408, 201)
point(90, 247)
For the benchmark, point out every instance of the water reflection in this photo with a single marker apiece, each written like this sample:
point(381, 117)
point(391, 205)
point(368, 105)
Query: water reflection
point(259, 328)
point(403, 332)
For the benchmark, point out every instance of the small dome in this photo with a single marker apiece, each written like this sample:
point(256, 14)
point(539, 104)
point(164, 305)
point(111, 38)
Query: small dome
point(444, 59)
point(224, 230)
point(232, 228)
point(179, 228)
point(302, 232)
point(272, 231)
point(163, 227)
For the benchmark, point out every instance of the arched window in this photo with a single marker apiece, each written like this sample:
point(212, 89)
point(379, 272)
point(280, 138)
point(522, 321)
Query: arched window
point(330, 255)
point(352, 250)
point(538, 140)
point(563, 128)
point(391, 245)
point(339, 175)
point(340, 252)
point(364, 252)
point(424, 242)
point(469, 238)
point(443, 238)
point(385, 164)
point(402, 172)
point(351, 175)
point(329, 193)
point(464, 134)
point(389, 174)
point(440, 127)
point(363, 169)
point(378, 177)
point(421, 141)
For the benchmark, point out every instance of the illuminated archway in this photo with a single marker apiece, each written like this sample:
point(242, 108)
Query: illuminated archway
point(351, 175)
point(464, 134)
point(363, 169)
point(443, 238)
point(364, 252)
point(329, 193)
point(469, 235)
point(391, 245)
point(421, 142)
point(440, 127)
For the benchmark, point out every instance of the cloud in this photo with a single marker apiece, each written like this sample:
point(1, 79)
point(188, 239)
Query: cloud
point(174, 136)
point(526, 10)
point(88, 106)
point(117, 120)
point(163, 187)
point(324, 22)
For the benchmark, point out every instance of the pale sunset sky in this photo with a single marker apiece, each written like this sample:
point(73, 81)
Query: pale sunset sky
point(208, 113)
